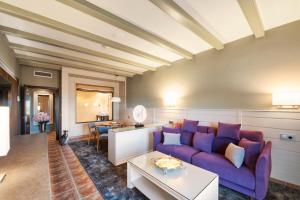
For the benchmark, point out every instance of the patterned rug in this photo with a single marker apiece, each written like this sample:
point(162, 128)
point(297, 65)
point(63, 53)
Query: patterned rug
point(111, 180)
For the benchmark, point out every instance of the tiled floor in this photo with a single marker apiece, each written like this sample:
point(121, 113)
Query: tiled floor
point(68, 178)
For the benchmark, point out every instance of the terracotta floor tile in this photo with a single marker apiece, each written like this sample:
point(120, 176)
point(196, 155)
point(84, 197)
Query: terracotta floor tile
point(75, 166)
point(58, 171)
point(60, 178)
point(62, 187)
point(84, 179)
point(78, 172)
point(54, 159)
point(69, 195)
point(56, 165)
point(87, 190)
point(95, 196)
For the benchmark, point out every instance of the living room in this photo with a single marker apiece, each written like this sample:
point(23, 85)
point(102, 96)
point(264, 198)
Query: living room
point(149, 99)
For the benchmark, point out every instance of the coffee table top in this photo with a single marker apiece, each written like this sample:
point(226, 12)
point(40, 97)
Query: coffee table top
point(188, 182)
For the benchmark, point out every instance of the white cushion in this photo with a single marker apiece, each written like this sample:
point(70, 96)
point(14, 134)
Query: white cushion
point(171, 138)
point(235, 154)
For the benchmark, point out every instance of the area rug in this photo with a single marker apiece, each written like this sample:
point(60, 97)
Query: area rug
point(111, 180)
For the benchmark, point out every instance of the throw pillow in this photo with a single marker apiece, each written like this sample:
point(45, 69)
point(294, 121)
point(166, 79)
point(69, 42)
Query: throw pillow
point(203, 141)
point(170, 130)
point(229, 130)
point(186, 137)
point(189, 125)
point(171, 138)
point(252, 150)
point(221, 143)
point(235, 154)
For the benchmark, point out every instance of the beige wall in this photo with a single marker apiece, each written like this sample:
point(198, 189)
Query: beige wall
point(70, 77)
point(27, 77)
point(242, 75)
point(7, 58)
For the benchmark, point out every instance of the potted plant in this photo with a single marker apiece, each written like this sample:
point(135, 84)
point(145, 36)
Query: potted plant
point(42, 119)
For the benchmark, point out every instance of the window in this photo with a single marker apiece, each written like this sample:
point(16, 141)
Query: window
point(93, 103)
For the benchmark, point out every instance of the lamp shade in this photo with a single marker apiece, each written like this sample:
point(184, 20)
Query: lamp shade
point(4, 131)
point(286, 99)
point(139, 114)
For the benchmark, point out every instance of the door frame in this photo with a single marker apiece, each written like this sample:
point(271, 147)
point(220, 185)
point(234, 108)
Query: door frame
point(56, 106)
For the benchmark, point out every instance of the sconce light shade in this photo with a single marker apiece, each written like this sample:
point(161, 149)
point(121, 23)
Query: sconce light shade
point(170, 99)
point(286, 99)
point(5, 132)
point(116, 99)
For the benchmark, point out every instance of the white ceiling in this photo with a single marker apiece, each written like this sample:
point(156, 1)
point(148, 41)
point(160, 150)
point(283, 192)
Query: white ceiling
point(224, 19)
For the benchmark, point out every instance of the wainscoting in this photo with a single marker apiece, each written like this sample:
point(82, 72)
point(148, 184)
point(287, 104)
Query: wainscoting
point(285, 154)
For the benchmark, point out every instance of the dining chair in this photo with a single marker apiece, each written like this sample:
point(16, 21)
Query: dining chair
point(93, 131)
point(102, 131)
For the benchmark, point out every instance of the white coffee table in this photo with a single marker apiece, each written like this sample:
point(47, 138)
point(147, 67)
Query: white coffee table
point(191, 182)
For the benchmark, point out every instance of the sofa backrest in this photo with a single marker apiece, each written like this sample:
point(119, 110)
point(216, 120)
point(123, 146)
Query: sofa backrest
point(220, 144)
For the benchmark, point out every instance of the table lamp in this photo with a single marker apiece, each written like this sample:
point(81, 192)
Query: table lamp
point(4, 134)
point(139, 115)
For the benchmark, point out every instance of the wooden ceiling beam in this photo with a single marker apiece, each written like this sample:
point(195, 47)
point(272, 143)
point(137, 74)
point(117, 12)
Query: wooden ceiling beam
point(77, 66)
point(58, 43)
point(68, 57)
point(29, 63)
point(251, 13)
point(185, 19)
point(45, 21)
point(114, 20)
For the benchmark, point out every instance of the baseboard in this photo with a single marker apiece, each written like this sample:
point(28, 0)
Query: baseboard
point(291, 185)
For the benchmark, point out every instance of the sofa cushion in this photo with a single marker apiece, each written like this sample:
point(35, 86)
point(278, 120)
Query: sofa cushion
point(189, 125)
point(219, 164)
point(220, 144)
point(171, 138)
point(170, 130)
point(235, 154)
point(252, 150)
point(182, 152)
point(203, 141)
point(202, 129)
point(186, 137)
point(229, 130)
point(166, 149)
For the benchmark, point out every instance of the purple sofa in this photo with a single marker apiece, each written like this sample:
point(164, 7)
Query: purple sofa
point(252, 182)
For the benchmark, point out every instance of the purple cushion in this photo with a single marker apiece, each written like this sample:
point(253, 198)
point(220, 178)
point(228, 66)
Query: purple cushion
point(225, 169)
point(203, 141)
point(186, 137)
point(166, 149)
point(183, 152)
point(170, 130)
point(202, 129)
point(252, 150)
point(189, 125)
point(220, 144)
point(229, 130)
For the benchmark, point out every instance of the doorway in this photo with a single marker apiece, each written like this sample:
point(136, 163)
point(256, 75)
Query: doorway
point(40, 107)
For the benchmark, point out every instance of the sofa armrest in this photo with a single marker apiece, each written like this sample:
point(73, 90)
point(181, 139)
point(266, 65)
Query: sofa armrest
point(157, 138)
point(263, 171)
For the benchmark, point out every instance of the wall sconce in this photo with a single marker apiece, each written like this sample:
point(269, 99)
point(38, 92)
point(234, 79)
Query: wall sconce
point(290, 100)
point(170, 99)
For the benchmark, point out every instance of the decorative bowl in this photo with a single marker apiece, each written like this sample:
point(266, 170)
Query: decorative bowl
point(168, 163)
